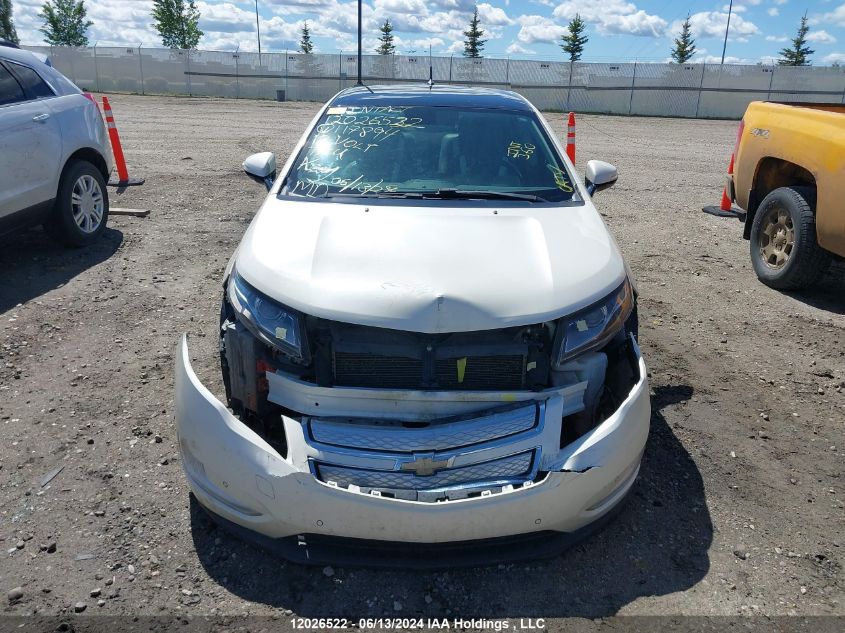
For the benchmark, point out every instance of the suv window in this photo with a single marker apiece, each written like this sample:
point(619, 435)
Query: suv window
point(10, 89)
point(31, 81)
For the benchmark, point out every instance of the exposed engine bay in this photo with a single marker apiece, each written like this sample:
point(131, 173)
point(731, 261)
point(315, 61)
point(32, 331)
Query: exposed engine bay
point(346, 355)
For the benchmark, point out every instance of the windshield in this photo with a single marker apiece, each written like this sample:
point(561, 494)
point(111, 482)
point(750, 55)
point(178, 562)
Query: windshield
point(429, 151)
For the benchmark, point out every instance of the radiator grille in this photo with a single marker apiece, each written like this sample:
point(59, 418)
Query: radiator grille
point(472, 373)
point(372, 370)
point(500, 373)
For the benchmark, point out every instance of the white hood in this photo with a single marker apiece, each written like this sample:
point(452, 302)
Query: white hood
point(430, 269)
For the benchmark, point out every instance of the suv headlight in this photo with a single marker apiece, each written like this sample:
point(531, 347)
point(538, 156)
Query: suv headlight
point(270, 321)
point(594, 326)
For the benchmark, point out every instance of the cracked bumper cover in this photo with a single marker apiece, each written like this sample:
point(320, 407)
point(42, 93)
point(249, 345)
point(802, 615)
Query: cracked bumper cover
point(236, 475)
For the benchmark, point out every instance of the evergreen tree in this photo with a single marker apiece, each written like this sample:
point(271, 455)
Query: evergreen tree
point(177, 23)
point(305, 44)
point(799, 54)
point(7, 27)
point(65, 23)
point(386, 46)
point(473, 45)
point(684, 44)
point(575, 39)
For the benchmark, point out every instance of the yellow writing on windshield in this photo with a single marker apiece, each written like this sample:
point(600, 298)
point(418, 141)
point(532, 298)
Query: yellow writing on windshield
point(561, 179)
point(520, 150)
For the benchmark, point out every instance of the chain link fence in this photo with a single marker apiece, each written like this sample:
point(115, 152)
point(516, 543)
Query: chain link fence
point(675, 90)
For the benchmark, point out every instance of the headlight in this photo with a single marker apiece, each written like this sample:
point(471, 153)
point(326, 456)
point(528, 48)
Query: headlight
point(270, 321)
point(594, 326)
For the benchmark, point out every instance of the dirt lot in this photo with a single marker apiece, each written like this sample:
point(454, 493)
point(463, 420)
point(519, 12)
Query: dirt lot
point(738, 508)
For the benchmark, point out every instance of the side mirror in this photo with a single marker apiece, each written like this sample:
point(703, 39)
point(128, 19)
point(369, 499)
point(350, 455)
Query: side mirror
point(600, 175)
point(261, 167)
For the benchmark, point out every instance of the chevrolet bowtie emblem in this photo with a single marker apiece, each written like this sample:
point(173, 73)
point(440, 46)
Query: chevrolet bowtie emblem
point(424, 466)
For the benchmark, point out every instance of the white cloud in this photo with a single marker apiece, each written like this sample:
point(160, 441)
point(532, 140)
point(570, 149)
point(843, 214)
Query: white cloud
point(224, 17)
point(411, 46)
point(536, 28)
point(834, 58)
point(821, 37)
point(389, 8)
point(493, 16)
point(713, 24)
point(464, 6)
point(515, 49)
point(615, 17)
point(716, 59)
point(639, 23)
point(831, 18)
point(777, 38)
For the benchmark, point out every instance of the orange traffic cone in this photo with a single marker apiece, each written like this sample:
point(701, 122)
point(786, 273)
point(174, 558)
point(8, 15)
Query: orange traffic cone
point(725, 208)
point(570, 137)
point(120, 162)
point(726, 205)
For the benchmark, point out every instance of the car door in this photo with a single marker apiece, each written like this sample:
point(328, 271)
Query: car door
point(30, 140)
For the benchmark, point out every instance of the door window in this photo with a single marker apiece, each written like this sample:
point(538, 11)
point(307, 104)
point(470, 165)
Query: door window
point(32, 82)
point(10, 89)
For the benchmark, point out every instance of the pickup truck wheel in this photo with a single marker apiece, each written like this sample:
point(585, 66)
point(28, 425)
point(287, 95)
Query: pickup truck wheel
point(784, 251)
point(81, 209)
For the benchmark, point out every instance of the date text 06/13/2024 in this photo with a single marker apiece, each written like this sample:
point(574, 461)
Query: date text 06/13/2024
point(408, 624)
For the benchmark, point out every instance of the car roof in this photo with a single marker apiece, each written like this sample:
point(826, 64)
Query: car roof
point(60, 84)
point(19, 55)
point(436, 95)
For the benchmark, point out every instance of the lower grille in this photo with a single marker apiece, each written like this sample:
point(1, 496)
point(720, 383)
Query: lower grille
point(474, 373)
point(498, 373)
point(498, 471)
point(372, 370)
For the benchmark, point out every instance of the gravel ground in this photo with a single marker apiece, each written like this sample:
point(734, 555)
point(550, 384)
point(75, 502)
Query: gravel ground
point(738, 508)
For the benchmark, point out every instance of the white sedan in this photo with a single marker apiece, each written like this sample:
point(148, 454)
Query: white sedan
point(428, 342)
point(55, 157)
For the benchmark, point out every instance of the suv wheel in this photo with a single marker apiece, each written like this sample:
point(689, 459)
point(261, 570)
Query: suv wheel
point(82, 206)
point(784, 251)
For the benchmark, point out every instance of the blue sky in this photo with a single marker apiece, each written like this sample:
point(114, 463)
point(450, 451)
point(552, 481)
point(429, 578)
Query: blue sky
point(619, 30)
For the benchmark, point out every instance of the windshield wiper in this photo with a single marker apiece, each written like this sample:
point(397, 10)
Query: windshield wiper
point(441, 194)
point(382, 194)
point(466, 194)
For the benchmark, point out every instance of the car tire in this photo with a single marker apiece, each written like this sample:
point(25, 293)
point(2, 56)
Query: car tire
point(784, 251)
point(81, 210)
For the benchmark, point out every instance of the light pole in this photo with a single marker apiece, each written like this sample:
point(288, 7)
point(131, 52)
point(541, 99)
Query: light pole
point(727, 28)
point(258, 32)
point(360, 83)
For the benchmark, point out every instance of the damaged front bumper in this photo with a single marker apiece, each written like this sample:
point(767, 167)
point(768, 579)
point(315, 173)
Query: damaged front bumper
point(498, 456)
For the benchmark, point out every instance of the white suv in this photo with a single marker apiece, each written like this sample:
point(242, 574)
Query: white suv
point(55, 158)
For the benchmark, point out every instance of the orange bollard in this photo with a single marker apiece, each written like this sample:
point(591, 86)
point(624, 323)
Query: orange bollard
point(570, 137)
point(120, 162)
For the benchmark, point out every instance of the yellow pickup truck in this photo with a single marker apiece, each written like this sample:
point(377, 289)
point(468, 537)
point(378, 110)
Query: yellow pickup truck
point(788, 175)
